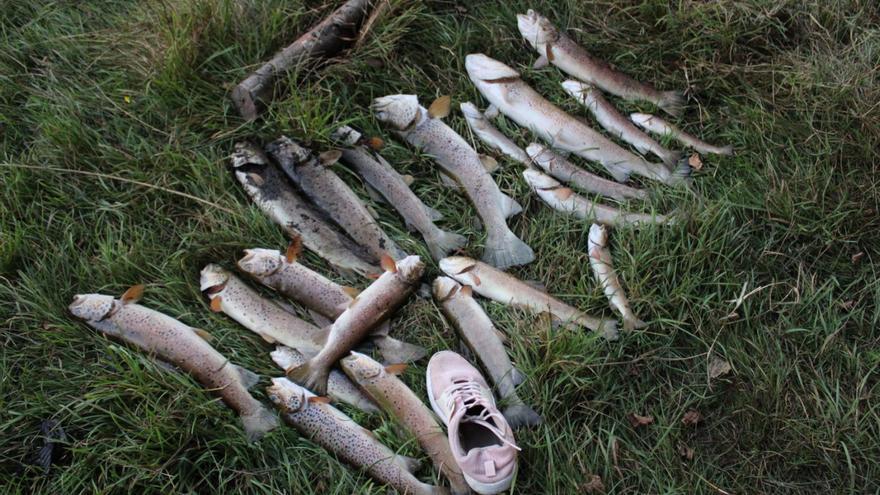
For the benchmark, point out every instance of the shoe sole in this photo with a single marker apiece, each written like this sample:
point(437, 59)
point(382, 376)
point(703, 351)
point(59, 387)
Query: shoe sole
point(478, 486)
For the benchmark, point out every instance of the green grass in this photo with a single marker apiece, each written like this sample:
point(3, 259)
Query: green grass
point(139, 90)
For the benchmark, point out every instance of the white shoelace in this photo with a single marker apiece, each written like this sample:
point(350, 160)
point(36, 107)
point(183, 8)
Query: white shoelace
point(470, 393)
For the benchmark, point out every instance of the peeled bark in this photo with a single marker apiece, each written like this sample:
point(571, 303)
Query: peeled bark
point(324, 40)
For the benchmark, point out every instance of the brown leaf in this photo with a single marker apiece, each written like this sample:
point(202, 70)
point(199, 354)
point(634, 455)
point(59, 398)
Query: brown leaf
point(594, 485)
point(718, 367)
point(695, 161)
point(685, 451)
point(441, 107)
point(692, 417)
point(857, 257)
point(375, 143)
point(848, 305)
point(637, 420)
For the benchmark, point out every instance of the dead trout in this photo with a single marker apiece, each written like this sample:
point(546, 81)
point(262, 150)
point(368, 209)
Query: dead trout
point(485, 341)
point(268, 188)
point(395, 398)
point(490, 135)
point(507, 289)
point(339, 387)
point(660, 127)
point(340, 435)
point(382, 177)
point(325, 299)
point(264, 317)
point(502, 86)
point(558, 49)
point(563, 199)
point(371, 306)
point(601, 264)
point(616, 123)
point(413, 123)
point(559, 167)
point(180, 345)
point(332, 195)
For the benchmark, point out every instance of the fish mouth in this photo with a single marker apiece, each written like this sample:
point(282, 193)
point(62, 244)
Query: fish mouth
point(470, 110)
point(445, 288)
point(410, 269)
point(400, 111)
point(261, 262)
point(485, 68)
point(212, 277)
point(454, 265)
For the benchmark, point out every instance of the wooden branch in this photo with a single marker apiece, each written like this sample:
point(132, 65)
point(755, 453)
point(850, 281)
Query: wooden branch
point(324, 40)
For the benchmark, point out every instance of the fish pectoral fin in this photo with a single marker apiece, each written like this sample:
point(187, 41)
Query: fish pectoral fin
point(408, 179)
point(489, 163)
point(294, 249)
point(133, 294)
point(267, 338)
point(217, 304)
point(319, 399)
point(318, 319)
point(388, 264)
point(491, 112)
point(204, 334)
point(541, 62)
point(330, 157)
point(448, 181)
point(395, 369)
point(248, 377)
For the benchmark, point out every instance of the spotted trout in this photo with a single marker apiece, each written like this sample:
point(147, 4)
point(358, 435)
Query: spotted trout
point(485, 341)
point(382, 177)
point(178, 344)
point(340, 435)
point(603, 270)
point(414, 124)
point(229, 294)
point(556, 48)
point(660, 127)
point(395, 398)
point(507, 289)
point(313, 175)
point(371, 306)
point(563, 199)
point(269, 189)
point(616, 123)
point(325, 299)
point(502, 86)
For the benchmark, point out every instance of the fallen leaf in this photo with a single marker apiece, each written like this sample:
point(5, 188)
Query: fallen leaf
point(441, 107)
point(718, 367)
point(857, 257)
point(692, 417)
point(127, 98)
point(375, 143)
point(595, 485)
point(695, 162)
point(637, 420)
point(685, 451)
point(848, 305)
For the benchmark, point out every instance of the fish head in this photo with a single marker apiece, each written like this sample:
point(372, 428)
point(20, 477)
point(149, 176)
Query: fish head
point(261, 262)
point(410, 269)
point(213, 276)
point(538, 180)
point(641, 119)
point(598, 235)
point(288, 151)
point(454, 265)
point(288, 396)
point(536, 29)
point(92, 307)
point(401, 112)
point(471, 112)
point(539, 153)
point(247, 153)
point(346, 136)
point(579, 90)
point(360, 367)
point(444, 288)
point(482, 68)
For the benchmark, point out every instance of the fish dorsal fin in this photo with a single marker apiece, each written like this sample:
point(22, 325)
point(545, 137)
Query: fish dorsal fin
point(395, 369)
point(319, 399)
point(133, 294)
point(541, 62)
point(489, 163)
point(204, 334)
point(329, 157)
point(294, 249)
point(408, 179)
point(563, 193)
point(375, 143)
point(217, 304)
point(351, 291)
point(440, 108)
point(388, 264)
point(467, 290)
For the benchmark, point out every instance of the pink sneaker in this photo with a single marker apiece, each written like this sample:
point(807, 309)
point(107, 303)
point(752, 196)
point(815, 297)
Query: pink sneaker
point(481, 440)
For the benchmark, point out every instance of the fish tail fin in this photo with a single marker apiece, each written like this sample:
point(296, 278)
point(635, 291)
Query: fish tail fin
point(248, 377)
point(520, 415)
point(633, 323)
point(725, 150)
point(506, 251)
point(509, 206)
point(609, 329)
point(619, 173)
point(312, 376)
point(681, 172)
point(258, 423)
point(398, 351)
point(672, 102)
point(444, 243)
point(670, 157)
